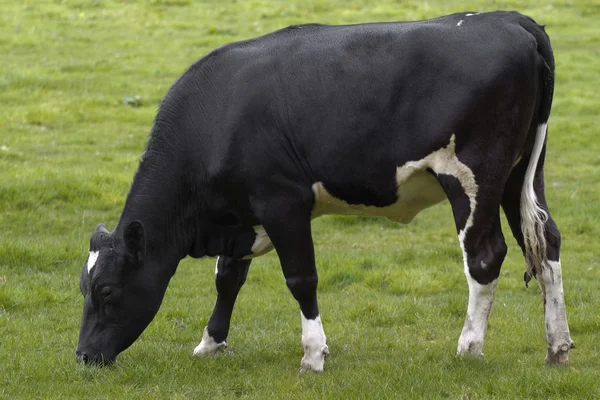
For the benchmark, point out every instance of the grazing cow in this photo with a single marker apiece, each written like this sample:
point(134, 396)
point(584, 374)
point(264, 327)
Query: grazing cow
point(261, 136)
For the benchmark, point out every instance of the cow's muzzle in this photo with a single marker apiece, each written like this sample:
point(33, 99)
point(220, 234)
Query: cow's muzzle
point(93, 359)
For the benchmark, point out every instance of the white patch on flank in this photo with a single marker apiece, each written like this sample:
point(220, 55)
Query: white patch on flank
point(460, 22)
point(208, 346)
point(262, 243)
point(91, 262)
point(518, 160)
point(533, 217)
point(314, 343)
point(217, 266)
point(557, 329)
point(417, 188)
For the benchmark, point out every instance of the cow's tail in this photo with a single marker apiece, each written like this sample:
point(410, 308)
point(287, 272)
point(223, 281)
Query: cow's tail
point(533, 215)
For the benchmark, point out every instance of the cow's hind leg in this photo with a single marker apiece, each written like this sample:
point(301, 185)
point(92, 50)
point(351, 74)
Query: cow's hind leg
point(288, 225)
point(558, 337)
point(483, 249)
point(476, 210)
point(230, 275)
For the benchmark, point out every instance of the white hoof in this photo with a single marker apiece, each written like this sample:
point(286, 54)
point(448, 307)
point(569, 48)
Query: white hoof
point(314, 343)
point(472, 349)
point(470, 342)
point(314, 360)
point(208, 346)
point(560, 355)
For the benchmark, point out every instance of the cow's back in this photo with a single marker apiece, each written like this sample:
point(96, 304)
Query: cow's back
point(347, 105)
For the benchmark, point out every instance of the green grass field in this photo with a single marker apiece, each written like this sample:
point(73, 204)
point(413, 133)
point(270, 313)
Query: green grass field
point(393, 297)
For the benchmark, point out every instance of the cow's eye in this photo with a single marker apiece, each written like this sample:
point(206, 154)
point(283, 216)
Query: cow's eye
point(105, 294)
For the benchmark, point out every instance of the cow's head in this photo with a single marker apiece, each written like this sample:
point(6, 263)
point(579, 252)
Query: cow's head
point(122, 291)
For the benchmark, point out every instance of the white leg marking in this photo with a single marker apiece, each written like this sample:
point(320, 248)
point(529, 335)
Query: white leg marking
point(313, 341)
point(208, 346)
point(91, 262)
point(557, 330)
point(217, 266)
point(481, 298)
point(548, 273)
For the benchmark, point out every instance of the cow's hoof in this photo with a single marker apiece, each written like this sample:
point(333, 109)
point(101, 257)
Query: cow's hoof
point(314, 360)
point(470, 356)
point(208, 346)
point(561, 356)
point(471, 350)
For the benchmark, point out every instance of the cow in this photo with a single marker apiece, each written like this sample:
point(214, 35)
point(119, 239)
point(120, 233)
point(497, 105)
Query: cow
point(261, 136)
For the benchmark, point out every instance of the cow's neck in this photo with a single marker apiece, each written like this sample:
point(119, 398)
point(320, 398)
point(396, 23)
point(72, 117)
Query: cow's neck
point(161, 200)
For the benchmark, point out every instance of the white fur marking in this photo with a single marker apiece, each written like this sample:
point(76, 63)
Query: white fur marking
point(417, 188)
point(548, 273)
point(460, 22)
point(217, 266)
point(557, 329)
point(481, 298)
point(91, 262)
point(262, 243)
point(471, 14)
point(208, 346)
point(314, 343)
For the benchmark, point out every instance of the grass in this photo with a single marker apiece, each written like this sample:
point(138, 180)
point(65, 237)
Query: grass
point(80, 82)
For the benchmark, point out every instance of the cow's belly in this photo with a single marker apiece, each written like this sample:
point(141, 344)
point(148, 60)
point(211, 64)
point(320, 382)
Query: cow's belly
point(417, 190)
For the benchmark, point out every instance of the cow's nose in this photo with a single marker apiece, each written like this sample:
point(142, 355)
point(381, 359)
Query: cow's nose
point(82, 357)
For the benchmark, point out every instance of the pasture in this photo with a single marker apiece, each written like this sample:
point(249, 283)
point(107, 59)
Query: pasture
point(80, 82)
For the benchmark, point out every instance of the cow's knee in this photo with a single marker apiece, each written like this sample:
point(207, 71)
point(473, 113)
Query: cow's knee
point(304, 290)
point(302, 283)
point(484, 261)
point(229, 279)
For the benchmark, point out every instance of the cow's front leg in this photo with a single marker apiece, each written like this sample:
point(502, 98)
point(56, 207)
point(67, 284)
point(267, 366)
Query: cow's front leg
point(230, 275)
point(290, 233)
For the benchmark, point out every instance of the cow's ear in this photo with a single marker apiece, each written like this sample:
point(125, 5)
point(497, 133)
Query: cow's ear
point(98, 237)
point(135, 240)
point(101, 229)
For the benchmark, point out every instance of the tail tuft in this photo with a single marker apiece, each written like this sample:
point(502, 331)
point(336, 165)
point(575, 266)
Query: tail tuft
point(533, 216)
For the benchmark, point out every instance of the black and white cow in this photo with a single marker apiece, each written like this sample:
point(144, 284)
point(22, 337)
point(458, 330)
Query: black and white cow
point(261, 136)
